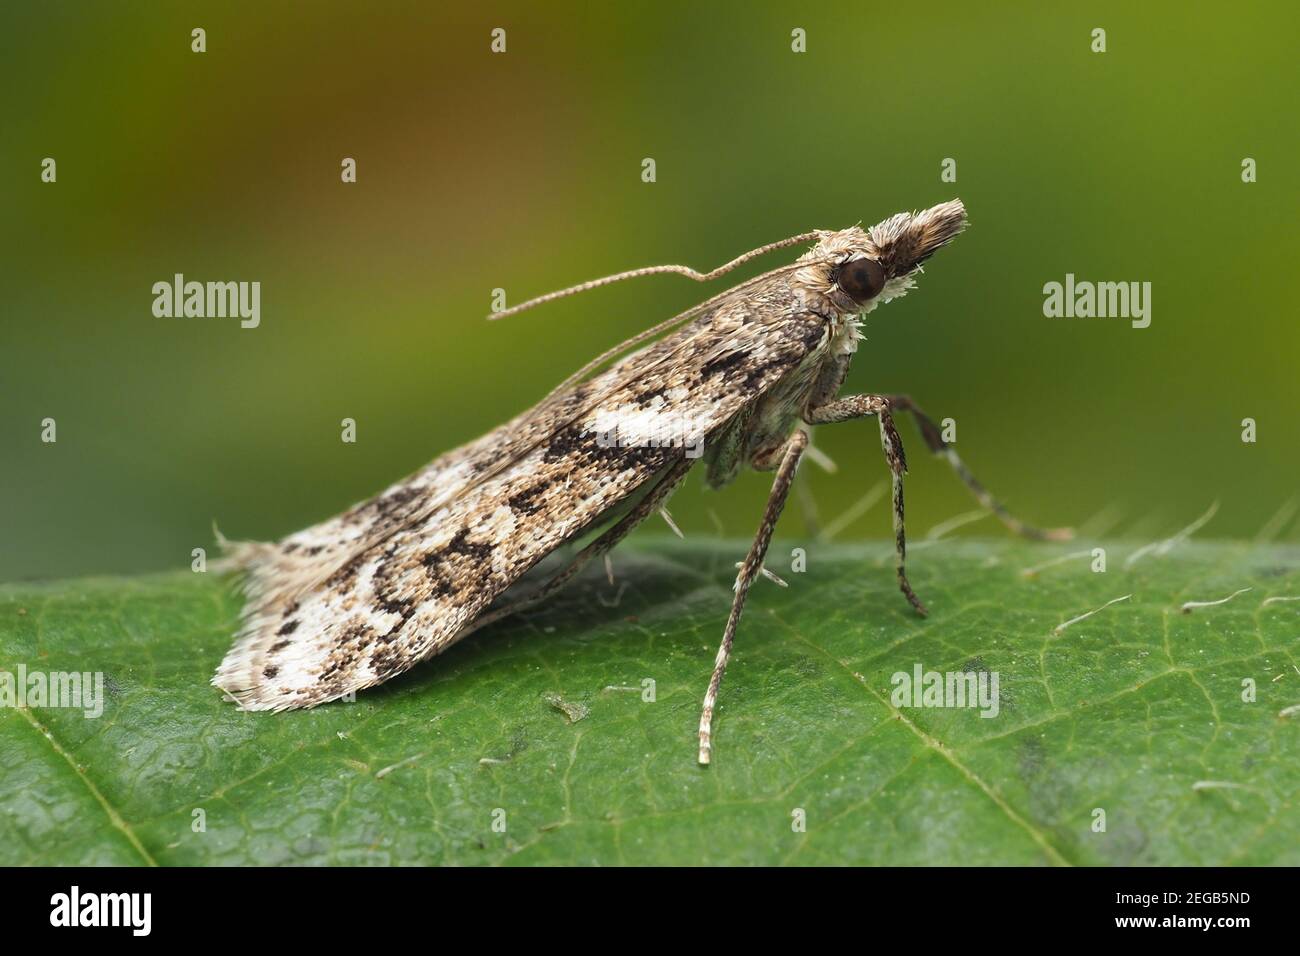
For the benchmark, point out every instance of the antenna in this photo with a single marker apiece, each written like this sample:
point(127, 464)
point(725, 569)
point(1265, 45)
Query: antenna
point(657, 270)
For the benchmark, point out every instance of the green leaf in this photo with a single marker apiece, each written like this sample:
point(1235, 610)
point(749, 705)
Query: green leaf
point(1136, 711)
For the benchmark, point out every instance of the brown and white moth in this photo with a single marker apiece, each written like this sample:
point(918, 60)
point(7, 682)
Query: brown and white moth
point(360, 598)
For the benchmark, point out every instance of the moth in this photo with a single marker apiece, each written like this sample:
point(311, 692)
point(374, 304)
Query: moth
point(360, 598)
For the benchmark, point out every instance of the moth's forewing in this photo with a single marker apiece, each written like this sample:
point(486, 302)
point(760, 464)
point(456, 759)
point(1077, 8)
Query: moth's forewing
point(363, 597)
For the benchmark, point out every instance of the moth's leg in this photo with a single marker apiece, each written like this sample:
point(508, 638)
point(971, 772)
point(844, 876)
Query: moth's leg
point(863, 406)
point(934, 439)
point(789, 461)
point(649, 504)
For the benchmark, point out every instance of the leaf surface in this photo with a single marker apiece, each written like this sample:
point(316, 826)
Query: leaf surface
point(534, 742)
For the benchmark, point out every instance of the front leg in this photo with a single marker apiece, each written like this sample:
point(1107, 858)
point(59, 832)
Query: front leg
point(862, 406)
point(934, 439)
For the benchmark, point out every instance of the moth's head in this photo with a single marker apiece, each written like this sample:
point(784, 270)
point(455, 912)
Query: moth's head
point(859, 268)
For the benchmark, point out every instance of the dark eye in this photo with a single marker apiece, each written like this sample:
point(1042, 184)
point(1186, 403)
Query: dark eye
point(861, 279)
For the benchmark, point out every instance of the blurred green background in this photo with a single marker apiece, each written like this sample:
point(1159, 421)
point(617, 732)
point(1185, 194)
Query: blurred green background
point(522, 171)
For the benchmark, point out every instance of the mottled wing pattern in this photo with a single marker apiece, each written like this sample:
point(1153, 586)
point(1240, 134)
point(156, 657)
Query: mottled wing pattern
point(284, 570)
point(437, 549)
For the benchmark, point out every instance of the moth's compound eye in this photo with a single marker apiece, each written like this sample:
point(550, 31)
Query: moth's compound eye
point(861, 279)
